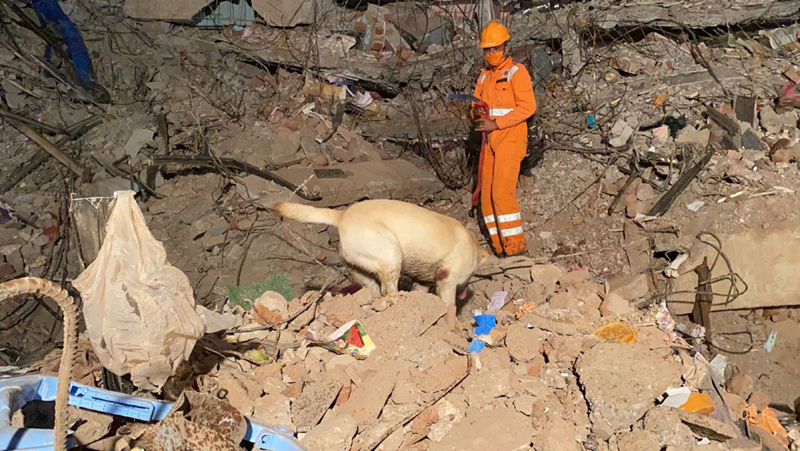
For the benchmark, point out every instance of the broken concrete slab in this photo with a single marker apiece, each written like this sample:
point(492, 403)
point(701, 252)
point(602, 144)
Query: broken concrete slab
point(699, 14)
point(290, 13)
point(665, 423)
point(621, 132)
point(742, 444)
point(690, 135)
point(621, 382)
point(774, 122)
point(501, 429)
point(630, 287)
point(615, 305)
point(243, 390)
point(523, 343)
point(562, 322)
point(557, 435)
point(448, 415)
point(766, 259)
point(333, 434)
point(274, 409)
point(708, 427)
point(182, 10)
point(638, 440)
point(547, 276)
point(409, 317)
point(484, 386)
point(351, 182)
point(312, 404)
point(367, 401)
point(422, 26)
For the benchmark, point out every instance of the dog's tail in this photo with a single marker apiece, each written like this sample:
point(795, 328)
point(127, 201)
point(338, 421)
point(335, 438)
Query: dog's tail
point(307, 214)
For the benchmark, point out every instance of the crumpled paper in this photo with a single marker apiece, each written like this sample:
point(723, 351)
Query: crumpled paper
point(140, 311)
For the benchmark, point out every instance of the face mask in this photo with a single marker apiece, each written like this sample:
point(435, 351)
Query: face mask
point(494, 59)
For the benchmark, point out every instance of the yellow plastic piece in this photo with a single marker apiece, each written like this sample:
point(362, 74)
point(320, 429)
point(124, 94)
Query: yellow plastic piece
point(700, 403)
point(616, 332)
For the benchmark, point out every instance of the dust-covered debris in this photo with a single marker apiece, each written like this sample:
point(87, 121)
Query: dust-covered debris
point(312, 404)
point(622, 382)
point(510, 430)
point(334, 434)
point(708, 427)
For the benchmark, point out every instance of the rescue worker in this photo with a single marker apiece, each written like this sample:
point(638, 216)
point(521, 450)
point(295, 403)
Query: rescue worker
point(507, 88)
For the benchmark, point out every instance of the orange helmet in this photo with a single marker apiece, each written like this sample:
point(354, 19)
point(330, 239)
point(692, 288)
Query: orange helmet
point(493, 35)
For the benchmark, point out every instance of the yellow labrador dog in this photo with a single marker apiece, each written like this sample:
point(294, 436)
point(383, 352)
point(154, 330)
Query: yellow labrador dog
point(384, 238)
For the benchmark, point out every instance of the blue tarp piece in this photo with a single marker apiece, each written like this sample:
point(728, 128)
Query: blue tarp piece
point(50, 11)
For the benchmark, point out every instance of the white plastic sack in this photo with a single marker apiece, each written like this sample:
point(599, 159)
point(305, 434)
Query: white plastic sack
point(140, 311)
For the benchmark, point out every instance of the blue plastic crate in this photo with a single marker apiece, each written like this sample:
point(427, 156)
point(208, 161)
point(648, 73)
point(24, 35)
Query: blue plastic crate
point(18, 391)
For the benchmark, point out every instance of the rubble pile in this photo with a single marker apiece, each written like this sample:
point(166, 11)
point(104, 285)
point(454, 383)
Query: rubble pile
point(666, 134)
point(549, 377)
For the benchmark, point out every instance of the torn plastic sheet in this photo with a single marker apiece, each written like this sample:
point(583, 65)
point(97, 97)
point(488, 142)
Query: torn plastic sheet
point(498, 301)
point(140, 312)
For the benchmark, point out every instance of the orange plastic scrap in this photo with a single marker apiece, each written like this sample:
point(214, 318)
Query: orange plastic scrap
point(700, 403)
point(659, 100)
point(767, 421)
point(525, 308)
point(616, 332)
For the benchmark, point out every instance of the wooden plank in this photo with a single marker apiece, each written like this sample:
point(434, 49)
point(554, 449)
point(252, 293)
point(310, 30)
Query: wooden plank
point(50, 148)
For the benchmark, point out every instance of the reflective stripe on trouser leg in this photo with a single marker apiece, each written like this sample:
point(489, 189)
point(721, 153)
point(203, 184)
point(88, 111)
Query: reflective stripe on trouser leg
point(504, 194)
point(487, 207)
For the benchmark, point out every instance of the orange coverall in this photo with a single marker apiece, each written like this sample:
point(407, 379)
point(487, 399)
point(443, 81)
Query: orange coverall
point(508, 91)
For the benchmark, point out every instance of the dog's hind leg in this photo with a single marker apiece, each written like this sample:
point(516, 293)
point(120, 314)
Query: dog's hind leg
point(382, 256)
point(389, 277)
point(364, 279)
